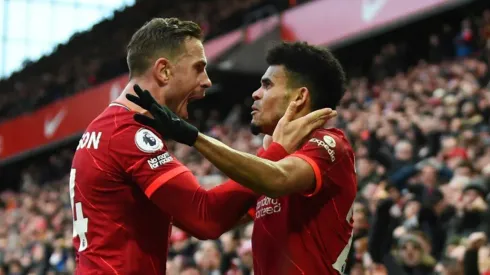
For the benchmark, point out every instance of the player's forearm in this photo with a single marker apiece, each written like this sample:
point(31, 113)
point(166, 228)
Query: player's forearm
point(261, 175)
point(203, 214)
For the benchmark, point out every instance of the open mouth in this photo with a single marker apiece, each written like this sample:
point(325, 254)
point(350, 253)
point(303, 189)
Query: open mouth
point(193, 99)
point(188, 101)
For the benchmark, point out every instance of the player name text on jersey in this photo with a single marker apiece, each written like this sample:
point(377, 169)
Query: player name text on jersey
point(90, 140)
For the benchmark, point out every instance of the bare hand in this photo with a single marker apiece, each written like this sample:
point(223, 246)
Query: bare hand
point(291, 133)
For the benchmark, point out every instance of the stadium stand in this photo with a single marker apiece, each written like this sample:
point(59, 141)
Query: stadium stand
point(421, 138)
point(93, 57)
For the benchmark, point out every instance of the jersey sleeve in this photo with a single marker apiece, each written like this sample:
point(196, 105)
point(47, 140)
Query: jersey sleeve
point(144, 158)
point(203, 214)
point(331, 158)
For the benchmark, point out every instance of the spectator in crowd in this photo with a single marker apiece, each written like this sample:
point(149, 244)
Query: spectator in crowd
point(465, 39)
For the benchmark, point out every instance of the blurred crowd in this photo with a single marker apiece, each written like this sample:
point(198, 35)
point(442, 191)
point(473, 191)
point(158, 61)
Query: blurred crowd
point(422, 143)
point(99, 54)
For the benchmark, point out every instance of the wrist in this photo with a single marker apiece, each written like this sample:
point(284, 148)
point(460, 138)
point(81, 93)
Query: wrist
point(190, 135)
point(283, 145)
point(200, 139)
point(274, 152)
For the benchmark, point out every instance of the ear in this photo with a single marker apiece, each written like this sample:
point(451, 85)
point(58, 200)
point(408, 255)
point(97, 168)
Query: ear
point(161, 71)
point(302, 97)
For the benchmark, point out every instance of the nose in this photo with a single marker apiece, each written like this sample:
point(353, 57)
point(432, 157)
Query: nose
point(257, 94)
point(206, 82)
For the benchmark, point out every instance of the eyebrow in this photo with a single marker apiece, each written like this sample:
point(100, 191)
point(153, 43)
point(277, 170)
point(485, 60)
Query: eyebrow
point(266, 80)
point(202, 62)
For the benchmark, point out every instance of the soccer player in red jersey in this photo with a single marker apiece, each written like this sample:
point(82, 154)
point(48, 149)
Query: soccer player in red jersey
point(303, 220)
point(126, 189)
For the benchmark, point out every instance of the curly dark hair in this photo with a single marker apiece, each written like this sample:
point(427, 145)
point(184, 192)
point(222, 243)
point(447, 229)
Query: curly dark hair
point(160, 36)
point(313, 67)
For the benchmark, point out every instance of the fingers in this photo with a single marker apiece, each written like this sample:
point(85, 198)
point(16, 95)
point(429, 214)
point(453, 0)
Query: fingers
point(136, 100)
point(137, 89)
point(160, 111)
point(315, 125)
point(145, 97)
point(313, 116)
point(320, 121)
point(331, 115)
point(145, 120)
point(291, 111)
point(323, 115)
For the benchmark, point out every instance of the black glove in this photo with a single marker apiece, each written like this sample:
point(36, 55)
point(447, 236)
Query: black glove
point(165, 122)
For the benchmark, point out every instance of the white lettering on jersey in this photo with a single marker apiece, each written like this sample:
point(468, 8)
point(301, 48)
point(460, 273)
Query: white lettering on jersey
point(90, 140)
point(267, 206)
point(80, 223)
point(81, 226)
point(327, 143)
point(160, 160)
point(340, 263)
point(355, 166)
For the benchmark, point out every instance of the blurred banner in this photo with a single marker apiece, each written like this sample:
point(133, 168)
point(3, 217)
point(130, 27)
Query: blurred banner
point(330, 23)
point(57, 121)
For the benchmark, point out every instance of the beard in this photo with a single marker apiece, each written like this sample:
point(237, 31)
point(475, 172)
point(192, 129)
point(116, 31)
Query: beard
point(255, 129)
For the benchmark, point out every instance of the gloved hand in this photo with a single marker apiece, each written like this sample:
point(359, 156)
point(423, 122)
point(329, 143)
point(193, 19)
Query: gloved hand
point(165, 122)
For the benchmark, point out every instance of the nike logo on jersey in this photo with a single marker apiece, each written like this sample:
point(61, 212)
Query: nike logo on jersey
point(51, 125)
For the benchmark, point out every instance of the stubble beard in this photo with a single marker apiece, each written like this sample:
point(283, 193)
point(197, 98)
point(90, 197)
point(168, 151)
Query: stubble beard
point(255, 129)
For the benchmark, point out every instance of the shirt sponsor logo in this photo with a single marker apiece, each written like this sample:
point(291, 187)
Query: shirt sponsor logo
point(147, 141)
point(160, 160)
point(267, 206)
point(328, 143)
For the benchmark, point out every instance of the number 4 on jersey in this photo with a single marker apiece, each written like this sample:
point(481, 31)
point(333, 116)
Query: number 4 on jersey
point(340, 264)
point(80, 223)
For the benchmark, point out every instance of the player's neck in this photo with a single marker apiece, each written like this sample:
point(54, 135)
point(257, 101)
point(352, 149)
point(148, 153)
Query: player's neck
point(144, 84)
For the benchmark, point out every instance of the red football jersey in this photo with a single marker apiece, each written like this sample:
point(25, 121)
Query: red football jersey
point(117, 166)
point(310, 233)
